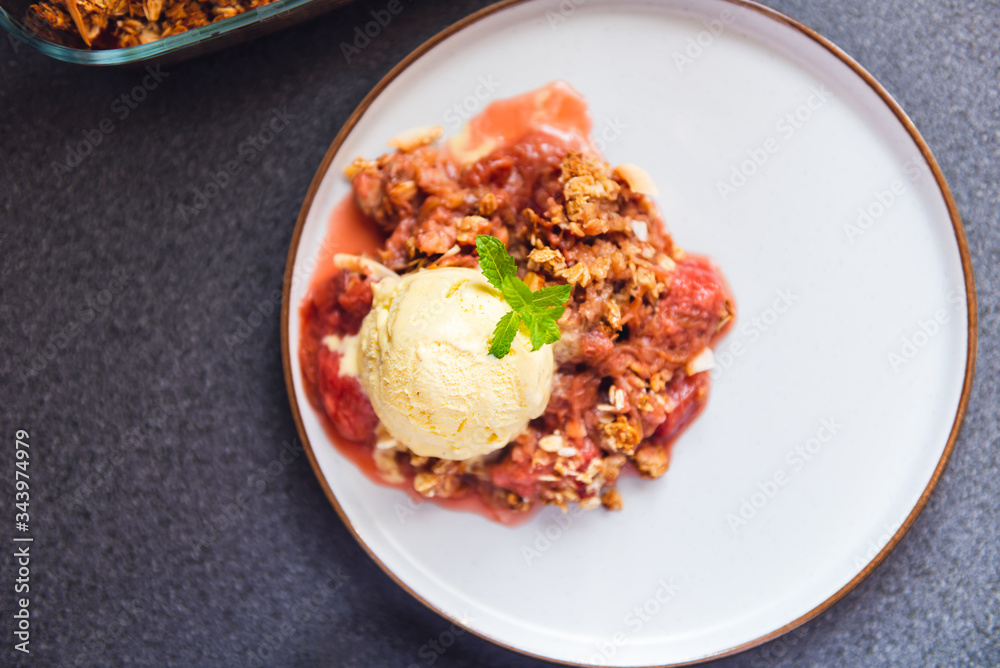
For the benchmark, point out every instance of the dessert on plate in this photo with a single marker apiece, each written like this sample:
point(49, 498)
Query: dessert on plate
point(525, 330)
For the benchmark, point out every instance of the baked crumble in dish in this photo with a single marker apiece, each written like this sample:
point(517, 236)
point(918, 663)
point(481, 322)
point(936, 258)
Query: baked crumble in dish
point(115, 24)
point(629, 371)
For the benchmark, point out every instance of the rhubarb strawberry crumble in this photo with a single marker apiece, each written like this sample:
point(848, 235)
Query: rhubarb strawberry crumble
point(526, 330)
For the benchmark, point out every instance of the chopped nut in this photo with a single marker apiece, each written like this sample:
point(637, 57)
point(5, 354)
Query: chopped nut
point(552, 442)
point(641, 230)
point(425, 483)
point(516, 502)
point(568, 451)
point(576, 429)
point(703, 361)
point(488, 204)
point(443, 484)
point(534, 281)
point(576, 275)
point(549, 259)
point(152, 8)
point(612, 314)
point(657, 382)
point(621, 436)
point(589, 503)
point(469, 227)
point(471, 223)
point(652, 460)
point(612, 466)
point(612, 500)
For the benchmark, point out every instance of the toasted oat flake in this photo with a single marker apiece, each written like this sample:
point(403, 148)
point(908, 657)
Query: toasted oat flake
point(612, 314)
point(568, 451)
point(617, 397)
point(357, 166)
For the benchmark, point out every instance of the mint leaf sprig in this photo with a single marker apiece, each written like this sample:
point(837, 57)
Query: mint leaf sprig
point(538, 310)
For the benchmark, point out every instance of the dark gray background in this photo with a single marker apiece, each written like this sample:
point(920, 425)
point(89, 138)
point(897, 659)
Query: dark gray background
point(145, 425)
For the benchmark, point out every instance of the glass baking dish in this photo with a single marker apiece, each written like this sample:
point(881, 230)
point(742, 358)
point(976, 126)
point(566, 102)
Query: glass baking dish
point(242, 27)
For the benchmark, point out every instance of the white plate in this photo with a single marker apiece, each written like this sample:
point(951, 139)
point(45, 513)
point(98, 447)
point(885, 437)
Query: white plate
point(840, 390)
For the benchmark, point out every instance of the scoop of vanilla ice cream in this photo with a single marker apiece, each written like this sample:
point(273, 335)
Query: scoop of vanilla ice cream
point(424, 363)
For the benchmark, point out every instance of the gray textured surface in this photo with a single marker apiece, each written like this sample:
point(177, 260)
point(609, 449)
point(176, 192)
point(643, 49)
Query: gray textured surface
point(144, 426)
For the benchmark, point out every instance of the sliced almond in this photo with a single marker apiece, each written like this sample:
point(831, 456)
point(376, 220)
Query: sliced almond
point(637, 178)
point(361, 264)
point(409, 140)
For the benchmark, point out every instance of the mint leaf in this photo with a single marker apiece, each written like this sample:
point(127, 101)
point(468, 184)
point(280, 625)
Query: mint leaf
point(538, 310)
point(494, 261)
point(517, 294)
point(553, 295)
point(542, 329)
point(504, 334)
point(555, 312)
